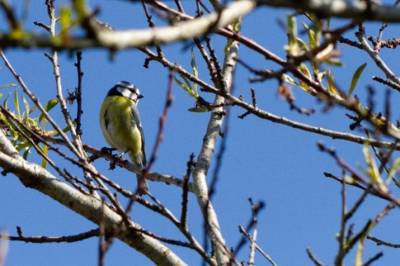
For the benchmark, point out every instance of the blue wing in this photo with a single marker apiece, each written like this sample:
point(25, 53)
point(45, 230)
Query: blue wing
point(136, 119)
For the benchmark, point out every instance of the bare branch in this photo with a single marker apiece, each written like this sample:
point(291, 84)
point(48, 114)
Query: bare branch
point(35, 177)
point(207, 150)
point(78, 94)
point(36, 101)
point(363, 10)
point(380, 242)
point(313, 258)
point(185, 189)
point(259, 249)
point(3, 246)
point(55, 239)
point(374, 258)
point(375, 56)
point(270, 116)
point(160, 135)
point(124, 39)
point(252, 253)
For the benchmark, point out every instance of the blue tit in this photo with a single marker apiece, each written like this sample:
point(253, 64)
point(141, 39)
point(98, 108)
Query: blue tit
point(120, 122)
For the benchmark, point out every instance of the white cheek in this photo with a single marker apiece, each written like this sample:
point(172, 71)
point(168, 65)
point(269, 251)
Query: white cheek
point(122, 91)
point(129, 94)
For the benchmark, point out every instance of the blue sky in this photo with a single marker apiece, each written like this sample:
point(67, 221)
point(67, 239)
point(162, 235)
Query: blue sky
point(266, 161)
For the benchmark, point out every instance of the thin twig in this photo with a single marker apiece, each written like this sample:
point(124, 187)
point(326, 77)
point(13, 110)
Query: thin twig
point(185, 190)
point(53, 57)
point(78, 93)
point(313, 258)
point(255, 210)
point(380, 242)
point(220, 154)
point(373, 259)
point(55, 239)
point(36, 101)
point(375, 56)
point(259, 249)
point(270, 116)
point(10, 15)
point(160, 132)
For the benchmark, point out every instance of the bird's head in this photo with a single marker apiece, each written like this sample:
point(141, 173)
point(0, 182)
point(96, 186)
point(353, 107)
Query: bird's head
point(126, 89)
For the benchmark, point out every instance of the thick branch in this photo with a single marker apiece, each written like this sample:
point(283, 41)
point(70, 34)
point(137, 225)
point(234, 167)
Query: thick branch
point(362, 10)
point(207, 152)
point(139, 38)
point(38, 178)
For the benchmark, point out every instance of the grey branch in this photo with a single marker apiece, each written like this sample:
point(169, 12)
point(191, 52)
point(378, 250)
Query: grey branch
point(38, 178)
point(122, 39)
point(362, 10)
point(252, 254)
point(270, 116)
point(375, 56)
point(181, 31)
point(257, 247)
point(207, 151)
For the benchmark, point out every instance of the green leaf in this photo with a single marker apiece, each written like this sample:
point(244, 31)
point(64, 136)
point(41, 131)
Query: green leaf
point(198, 109)
point(292, 30)
point(27, 108)
point(312, 36)
point(356, 77)
point(304, 69)
point(26, 153)
point(16, 104)
point(201, 106)
point(49, 105)
point(8, 85)
point(301, 45)
point(45, 150)
point(54, 133)
point(24, 144)
point(393, 170)
point(334, 62)
point(360, 252)
point(295, 45)
point(185, 85)
point(65, 20)
point(66, 129)
point(288, 79)
point(313, 32)
point(235, 25)
point(5, 101)
point(372, 170)
point(331, 85)
point(361, 244)
point(80, 8)
point(195, 71)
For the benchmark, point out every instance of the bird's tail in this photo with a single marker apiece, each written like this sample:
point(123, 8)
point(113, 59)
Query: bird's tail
point(137, 160)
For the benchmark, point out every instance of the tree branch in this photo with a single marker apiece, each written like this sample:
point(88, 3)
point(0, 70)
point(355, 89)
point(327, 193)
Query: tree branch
point(38, 178)
point(122, 39)
point(207, 151)
point(362, 10)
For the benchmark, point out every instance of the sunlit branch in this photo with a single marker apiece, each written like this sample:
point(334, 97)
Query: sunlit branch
point(363, 10)
point(122, 39)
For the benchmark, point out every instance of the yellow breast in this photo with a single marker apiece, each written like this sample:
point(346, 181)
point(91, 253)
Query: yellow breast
point(118, 125)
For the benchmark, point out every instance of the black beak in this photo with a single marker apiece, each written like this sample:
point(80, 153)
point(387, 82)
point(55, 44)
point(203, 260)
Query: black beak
point(140, 96)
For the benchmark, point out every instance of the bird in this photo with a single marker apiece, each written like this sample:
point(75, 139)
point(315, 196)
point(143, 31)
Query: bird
point(120, 122)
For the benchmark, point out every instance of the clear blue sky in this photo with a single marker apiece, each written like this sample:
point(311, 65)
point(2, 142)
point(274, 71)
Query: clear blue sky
point(265, 161)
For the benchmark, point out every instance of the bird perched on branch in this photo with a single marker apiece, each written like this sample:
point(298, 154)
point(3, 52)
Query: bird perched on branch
point(120, 122)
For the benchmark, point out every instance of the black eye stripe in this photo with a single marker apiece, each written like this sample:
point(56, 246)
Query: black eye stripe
point(124, 88)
